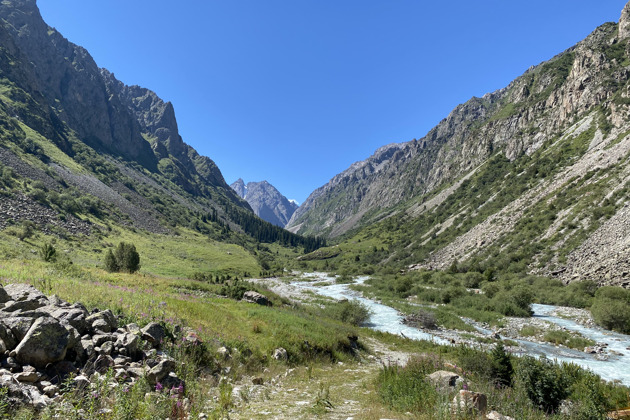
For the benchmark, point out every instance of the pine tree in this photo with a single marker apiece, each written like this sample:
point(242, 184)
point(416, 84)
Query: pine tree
point(502, 370)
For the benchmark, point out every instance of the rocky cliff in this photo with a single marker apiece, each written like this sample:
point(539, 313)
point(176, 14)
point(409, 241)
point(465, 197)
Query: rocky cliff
point(514, 120)
point(117, 144)
point(266, 201)
point(531, 177)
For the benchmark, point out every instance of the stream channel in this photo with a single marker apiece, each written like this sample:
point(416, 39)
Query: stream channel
point(387, 319)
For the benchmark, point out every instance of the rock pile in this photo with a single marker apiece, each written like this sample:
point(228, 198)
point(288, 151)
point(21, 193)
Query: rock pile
point(44, 342)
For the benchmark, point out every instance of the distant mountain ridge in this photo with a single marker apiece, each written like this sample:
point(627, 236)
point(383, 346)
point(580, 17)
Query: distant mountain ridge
point(266, 201)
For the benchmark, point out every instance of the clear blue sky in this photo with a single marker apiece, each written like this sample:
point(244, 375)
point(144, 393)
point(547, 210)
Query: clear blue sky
point(295, 91)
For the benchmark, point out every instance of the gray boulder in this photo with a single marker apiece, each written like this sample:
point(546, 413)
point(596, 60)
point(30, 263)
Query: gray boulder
point(255, 297)
point(4, 296)
point(443, 379)
point(154, 333)
point(280, 354)
point(160, 371)
point(45, 342)
point(103, 321)
point(21, 292)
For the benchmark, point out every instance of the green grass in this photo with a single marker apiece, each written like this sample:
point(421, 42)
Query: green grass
point(568, 339)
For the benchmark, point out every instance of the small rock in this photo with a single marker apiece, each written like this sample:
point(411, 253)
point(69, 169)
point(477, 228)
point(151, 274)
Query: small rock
point(26, 376)
point(280, 354)
point(51, 390)
point(258, 381)
point(495, 415)
point(470, 402)
point(223, 353)
point(81, 381)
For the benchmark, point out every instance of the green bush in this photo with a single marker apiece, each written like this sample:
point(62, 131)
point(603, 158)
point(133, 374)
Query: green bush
point(611, 308)
point(544, 383)
point(124, 258)
point(48, 253)
point(351, 312)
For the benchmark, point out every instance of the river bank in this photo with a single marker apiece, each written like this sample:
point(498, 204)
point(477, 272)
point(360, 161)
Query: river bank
point(608, 356)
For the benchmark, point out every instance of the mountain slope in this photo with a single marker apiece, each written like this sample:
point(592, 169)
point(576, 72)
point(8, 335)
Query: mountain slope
point(530, 178)
point(266, 201)
point(80, 146)
point(515, 120)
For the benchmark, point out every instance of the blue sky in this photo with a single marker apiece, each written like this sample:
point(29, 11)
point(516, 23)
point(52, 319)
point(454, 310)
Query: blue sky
point(295, 91)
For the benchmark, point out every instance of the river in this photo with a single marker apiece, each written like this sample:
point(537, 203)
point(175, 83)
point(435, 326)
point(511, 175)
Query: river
point(388, 319)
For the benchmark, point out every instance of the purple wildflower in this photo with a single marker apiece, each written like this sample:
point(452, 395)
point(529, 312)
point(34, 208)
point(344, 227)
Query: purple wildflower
point(158, 386)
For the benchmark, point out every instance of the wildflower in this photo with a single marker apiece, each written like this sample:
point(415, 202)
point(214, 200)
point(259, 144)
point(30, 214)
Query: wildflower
point(179, 403)
point(158, 386)
point(465, 386)
point(181, 388)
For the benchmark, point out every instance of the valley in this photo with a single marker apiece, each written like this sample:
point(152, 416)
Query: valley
point(480, 271)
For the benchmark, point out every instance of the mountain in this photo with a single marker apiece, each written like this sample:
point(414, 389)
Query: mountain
point(80, 150)
point(266, 201)
point(530, 178)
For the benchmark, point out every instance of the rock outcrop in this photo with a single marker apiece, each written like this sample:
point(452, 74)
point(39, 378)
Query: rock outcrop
point(44, 340)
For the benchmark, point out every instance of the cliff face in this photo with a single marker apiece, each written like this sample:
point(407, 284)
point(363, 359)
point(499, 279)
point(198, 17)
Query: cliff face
point(515, 120)
point(266, 201)
point(70, 81)
point(117, 143)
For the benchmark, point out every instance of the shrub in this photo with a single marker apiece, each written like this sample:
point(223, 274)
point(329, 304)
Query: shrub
point(502, 369)
point(48, 253)
point(111, 264)
point(611, 308)
point(543, 382)
point(352, 312)
point(27, 231)
point(124, 258)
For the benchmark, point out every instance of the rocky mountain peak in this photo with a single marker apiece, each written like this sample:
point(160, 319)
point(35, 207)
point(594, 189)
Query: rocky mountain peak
point(624, 22)
point(266, 201)
point(239, 187)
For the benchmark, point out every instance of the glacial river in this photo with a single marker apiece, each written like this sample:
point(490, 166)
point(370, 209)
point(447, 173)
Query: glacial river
point(387, 319)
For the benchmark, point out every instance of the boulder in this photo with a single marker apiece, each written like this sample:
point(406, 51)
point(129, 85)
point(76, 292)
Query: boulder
point(4, 296)
point(45, 342)
point(154, 333)
point(103, 321)
point(160, 371)
point(255, 297)
point(470, 402)
point(19, 326)
point(173, 382)
point(443, 379)
point(129, 342)
point(20, 292)
point(100, 339)
point(280, 354)
point(72, 316)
